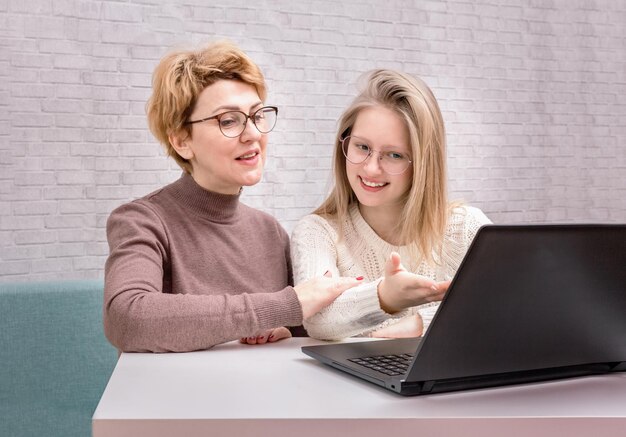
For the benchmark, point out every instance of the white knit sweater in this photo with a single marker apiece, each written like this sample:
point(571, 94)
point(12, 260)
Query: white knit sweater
point(315, 249)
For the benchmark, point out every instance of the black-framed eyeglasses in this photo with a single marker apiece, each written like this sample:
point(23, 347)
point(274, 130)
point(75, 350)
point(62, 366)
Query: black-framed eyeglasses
point(233, 123)
point(357, 150)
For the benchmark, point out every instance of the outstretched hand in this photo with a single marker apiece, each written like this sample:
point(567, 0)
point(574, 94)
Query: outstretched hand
point(320, 292)
point(400, 289)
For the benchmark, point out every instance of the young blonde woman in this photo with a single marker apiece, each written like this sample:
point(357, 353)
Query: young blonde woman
point(190, 266)
point(387, 218)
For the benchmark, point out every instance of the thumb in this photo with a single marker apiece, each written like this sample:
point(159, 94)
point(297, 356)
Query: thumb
point(393, 264)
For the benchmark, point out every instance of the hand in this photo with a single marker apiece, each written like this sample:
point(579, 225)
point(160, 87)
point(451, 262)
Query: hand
point(407, 327)
point(269, 336)
point(400, 289)
point(320, 292)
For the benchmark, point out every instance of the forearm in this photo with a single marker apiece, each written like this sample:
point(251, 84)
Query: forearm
point(356, 311)
point(314, 252)
point(147, 321)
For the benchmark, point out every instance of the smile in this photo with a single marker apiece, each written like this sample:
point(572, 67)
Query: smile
point(372, 184)
point(248, 155)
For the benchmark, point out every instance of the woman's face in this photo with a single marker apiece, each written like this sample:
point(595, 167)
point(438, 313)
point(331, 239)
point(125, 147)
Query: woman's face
point(219, 163)
point(382, 130)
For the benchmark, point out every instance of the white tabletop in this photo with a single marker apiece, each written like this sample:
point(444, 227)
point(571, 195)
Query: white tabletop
point(274, 389)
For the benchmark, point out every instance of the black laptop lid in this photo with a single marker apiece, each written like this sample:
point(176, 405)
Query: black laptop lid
point(530, 297)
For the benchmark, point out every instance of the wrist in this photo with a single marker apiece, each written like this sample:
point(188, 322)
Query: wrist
point(386, 304)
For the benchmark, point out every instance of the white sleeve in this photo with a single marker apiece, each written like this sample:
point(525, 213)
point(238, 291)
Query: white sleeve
point(314, 251)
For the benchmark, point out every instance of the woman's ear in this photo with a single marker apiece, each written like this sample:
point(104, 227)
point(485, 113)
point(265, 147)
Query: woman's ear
point(179, 142)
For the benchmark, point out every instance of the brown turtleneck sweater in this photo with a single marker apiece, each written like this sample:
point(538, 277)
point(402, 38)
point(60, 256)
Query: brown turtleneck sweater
point(189, 269)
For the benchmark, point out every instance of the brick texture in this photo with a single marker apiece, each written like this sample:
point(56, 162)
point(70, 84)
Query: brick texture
point(532, 94)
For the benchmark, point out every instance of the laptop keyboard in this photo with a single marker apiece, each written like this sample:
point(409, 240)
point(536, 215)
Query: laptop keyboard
point(391, 365)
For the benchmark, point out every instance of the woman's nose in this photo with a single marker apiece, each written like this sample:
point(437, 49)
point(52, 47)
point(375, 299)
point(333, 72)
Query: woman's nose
point(372, 163)
point(250, 132)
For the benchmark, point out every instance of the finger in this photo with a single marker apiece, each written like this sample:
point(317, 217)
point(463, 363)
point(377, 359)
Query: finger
point(279, 334)
point(443, 285)
point(345, 283)
point(328, 274)
point(251, 340)
point(261, 339)
point(439, 289)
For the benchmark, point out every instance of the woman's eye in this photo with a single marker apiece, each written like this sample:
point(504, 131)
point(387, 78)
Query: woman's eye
point(395, 156)
point(362, 147)
point(227, 122)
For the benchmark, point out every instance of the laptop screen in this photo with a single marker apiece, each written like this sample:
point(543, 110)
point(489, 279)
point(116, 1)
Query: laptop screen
point(531, 297)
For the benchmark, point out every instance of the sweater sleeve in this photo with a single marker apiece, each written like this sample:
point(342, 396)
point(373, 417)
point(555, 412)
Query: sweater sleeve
point(357, 310)
point(140, 317)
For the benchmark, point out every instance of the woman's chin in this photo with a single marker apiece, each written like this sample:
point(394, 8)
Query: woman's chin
point(252, 179)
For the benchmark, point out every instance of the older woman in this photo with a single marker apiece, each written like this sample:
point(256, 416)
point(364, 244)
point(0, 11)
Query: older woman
point(190, 266)
point(387, 218)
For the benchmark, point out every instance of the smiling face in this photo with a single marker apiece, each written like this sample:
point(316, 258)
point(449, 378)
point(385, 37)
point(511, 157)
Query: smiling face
point(219, 163)
point(375, 189)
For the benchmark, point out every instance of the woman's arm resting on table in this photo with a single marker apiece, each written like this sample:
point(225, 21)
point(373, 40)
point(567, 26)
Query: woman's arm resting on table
point(138, 316)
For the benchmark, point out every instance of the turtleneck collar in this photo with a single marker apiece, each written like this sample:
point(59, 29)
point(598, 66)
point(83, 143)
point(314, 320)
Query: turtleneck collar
point(207, 204)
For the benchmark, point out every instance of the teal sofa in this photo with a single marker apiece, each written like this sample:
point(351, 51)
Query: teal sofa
point(54, 359)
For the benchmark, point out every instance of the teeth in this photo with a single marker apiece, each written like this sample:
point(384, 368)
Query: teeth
point(373, 184)
point(249, 155)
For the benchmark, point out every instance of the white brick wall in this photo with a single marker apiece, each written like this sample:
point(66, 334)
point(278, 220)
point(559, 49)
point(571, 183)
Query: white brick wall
point(532, 93)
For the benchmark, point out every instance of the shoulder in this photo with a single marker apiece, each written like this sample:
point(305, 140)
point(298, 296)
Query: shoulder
point(140, 209)
point(147, 205)
point(136, 221)
point(463, 223)
point(465, 214)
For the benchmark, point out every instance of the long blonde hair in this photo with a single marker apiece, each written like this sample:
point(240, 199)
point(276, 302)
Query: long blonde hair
point(422, 222)
point(182, 75)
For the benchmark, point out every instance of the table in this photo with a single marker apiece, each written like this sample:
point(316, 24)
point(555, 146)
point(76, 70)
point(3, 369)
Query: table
point(276, 390)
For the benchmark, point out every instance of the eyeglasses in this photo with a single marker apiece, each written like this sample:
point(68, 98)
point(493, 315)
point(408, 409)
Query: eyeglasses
point(356, 150)
point(233, 123)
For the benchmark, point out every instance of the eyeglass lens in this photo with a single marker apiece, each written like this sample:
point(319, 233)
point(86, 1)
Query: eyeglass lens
point(357, 151)
point(233, 123)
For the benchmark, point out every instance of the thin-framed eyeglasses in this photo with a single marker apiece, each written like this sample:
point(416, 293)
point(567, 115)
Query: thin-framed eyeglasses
point(233, 123)
point(357, 150)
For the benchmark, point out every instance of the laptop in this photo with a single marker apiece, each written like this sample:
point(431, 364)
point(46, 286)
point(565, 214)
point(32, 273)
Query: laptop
point(528, 303)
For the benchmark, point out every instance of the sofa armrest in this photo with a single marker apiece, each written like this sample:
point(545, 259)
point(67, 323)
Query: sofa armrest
point(55, 358)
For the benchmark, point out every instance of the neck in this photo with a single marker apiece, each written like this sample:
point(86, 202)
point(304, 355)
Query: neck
point(213, 206)
point(214, 186)
point(384, 221)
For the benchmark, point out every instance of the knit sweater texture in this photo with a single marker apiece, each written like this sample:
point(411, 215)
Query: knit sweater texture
point(189, 269)
point(316, 248)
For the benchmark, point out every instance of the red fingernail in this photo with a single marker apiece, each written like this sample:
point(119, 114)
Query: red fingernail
point(261, 337)
point(359, 278)
point(270, 337)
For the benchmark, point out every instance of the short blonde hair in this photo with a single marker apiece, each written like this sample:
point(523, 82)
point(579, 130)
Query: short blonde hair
point(181, 76)
point(423, 220)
